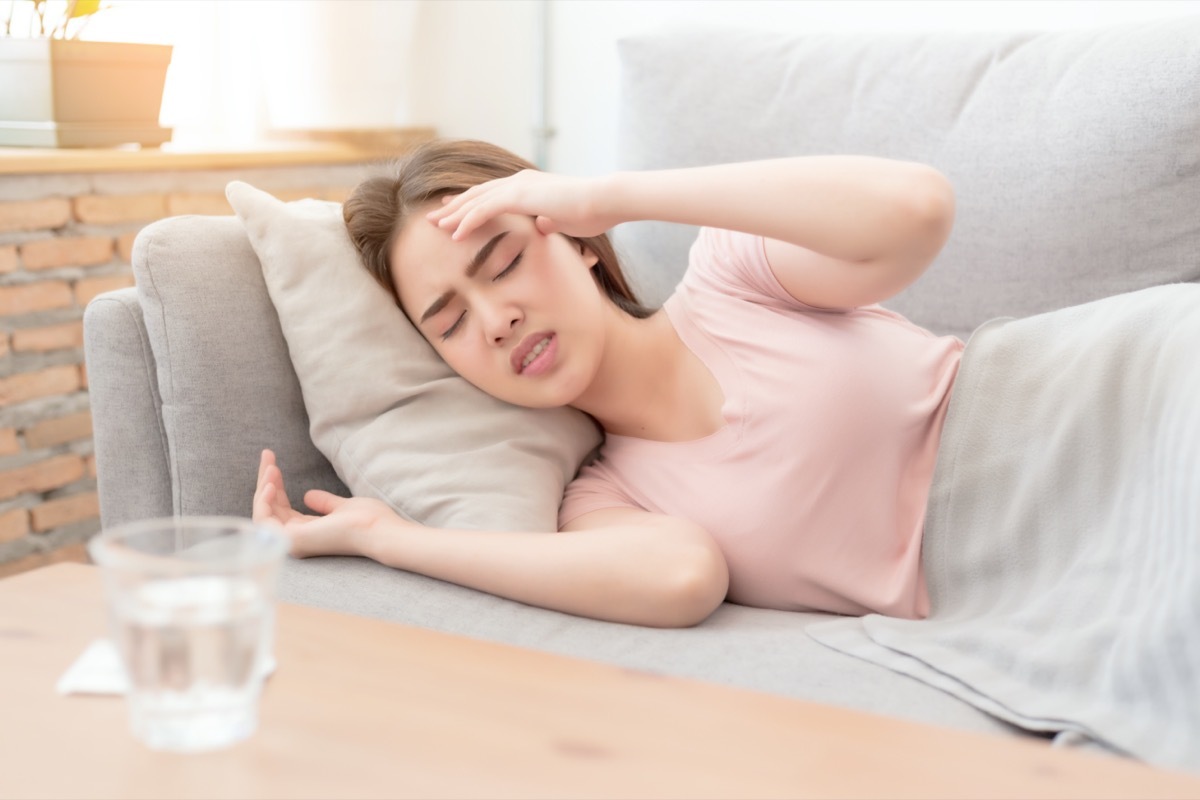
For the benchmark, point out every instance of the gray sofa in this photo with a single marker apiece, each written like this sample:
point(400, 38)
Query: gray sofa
point(1076, 159)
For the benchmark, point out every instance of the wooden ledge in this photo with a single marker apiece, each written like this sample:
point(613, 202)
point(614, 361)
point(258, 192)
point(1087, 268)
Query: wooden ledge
point(28, 160)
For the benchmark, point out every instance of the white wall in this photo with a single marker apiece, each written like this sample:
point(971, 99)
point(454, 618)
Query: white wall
point(474, 70)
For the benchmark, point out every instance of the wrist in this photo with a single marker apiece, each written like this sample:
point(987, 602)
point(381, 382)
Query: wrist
point(382, 540)
point(366, 539)
point(610, 199)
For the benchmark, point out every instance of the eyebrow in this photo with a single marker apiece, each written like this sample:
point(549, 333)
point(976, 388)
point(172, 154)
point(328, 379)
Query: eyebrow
point(472, 269)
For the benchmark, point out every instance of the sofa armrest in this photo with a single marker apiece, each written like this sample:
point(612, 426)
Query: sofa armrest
point(130, 443)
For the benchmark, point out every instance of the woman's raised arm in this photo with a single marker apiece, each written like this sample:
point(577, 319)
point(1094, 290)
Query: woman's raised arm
point(841, 230)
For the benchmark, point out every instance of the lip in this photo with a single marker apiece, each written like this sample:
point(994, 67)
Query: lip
point(521, 350)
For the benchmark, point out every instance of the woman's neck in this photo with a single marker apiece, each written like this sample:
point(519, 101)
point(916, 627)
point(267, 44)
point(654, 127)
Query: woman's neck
point(638, 385)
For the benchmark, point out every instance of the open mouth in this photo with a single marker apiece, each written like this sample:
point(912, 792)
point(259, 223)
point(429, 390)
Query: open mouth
point(540, 357)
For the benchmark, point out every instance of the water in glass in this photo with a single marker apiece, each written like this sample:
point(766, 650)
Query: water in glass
point(193, 648)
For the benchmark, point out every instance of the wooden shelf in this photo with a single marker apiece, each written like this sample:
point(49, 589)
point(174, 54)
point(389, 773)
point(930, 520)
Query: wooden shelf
point(27, 160)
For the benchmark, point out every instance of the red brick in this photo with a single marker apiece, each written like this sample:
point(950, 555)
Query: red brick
point(90, 461)
point(51, 337)
point(14, 525)
point(53, 473)
point(9, 446)
point(24, 386)
point(125, 246)
point(8, 259)
point(100, 209)
point(211, 203)
point(288, 195)
point(74, 552)
point(67, 251)
point(60, 430)
point(30, 297)
point(22, 565)
point(88, 288)
point(65, 510)
point(34, 215)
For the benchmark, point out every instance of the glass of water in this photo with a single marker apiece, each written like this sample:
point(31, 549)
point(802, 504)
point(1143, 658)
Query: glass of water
point(192, 612)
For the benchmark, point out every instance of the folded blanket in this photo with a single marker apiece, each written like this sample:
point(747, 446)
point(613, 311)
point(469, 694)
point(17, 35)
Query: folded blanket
point(1062, 543)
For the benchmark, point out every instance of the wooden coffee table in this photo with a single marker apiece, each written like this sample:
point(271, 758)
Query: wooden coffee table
point(362, 708)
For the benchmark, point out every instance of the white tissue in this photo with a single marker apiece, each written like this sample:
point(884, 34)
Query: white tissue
point(98, 671)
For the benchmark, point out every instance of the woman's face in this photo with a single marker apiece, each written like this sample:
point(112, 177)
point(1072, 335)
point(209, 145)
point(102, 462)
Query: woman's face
point(515, 312)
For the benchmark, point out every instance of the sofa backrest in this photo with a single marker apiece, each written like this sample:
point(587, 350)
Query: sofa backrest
point(1075, 156)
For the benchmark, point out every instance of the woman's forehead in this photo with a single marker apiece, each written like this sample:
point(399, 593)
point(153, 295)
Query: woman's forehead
point(424, 258)
point(424, 247)
point(422, 244)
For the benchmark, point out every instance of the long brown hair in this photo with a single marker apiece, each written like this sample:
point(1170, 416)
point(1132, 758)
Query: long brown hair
point(378, 208)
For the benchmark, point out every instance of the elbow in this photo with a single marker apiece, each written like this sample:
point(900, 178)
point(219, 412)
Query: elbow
point(700, 583)
point(932, 207)
point(929, 211)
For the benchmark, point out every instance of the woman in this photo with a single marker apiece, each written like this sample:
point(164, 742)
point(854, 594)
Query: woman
point(770, 433)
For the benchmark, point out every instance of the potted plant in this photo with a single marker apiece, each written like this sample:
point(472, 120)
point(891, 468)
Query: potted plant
point(57, 91)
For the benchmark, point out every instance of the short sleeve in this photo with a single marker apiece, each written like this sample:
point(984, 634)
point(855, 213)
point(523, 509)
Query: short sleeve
point(736, 263)
point(592, 490)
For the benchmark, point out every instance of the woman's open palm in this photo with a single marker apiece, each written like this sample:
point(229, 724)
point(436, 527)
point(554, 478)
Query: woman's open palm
point(270, 498)
point(341, 526)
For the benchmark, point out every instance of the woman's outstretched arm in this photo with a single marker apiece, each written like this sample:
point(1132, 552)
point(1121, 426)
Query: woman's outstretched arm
point(619, 565)
point(841, 230)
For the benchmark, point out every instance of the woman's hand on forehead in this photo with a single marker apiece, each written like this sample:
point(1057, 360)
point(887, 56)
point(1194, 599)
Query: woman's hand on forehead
point(558, 203)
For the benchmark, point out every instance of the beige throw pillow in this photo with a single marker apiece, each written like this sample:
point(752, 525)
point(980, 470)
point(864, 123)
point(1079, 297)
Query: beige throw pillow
point(392, 418)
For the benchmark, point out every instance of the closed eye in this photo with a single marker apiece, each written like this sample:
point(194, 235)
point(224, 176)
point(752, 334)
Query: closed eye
point(453, 327)
point(458, 322)
point(511, 266)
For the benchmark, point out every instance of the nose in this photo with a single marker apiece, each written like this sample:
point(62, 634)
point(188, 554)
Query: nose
point(499, 320)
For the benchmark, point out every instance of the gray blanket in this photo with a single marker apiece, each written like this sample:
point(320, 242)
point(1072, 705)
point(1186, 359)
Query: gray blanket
point(1062, 545)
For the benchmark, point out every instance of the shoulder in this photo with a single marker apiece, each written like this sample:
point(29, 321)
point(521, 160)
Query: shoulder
point(733, 263)
point(724, 250)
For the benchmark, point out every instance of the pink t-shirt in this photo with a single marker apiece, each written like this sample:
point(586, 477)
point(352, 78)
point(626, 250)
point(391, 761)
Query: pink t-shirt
point(815, 488)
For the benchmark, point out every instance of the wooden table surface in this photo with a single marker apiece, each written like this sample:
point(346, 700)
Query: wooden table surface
point(362, 708)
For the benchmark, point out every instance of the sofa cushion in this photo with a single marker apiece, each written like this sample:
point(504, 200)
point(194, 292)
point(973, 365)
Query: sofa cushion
point(1074, 155)
point(394, 420)
point(223, 374)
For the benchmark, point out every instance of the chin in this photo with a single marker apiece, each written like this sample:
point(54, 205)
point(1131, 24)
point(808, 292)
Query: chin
point(554, 393)
point(537, 402)
point(539, 396)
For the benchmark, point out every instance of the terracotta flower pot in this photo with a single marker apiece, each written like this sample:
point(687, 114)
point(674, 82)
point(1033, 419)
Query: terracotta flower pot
point(66, 93)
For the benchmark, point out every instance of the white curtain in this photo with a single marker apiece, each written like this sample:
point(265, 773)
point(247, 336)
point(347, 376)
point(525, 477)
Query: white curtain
point(241, 68)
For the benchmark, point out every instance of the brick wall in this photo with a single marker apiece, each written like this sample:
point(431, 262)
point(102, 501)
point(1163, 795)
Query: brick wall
point(65, 238)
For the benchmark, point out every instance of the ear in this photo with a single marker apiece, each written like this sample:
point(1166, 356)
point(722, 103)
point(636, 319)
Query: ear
point(589, 256)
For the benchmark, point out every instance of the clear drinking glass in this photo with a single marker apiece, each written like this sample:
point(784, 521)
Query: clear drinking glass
point(192, 613)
